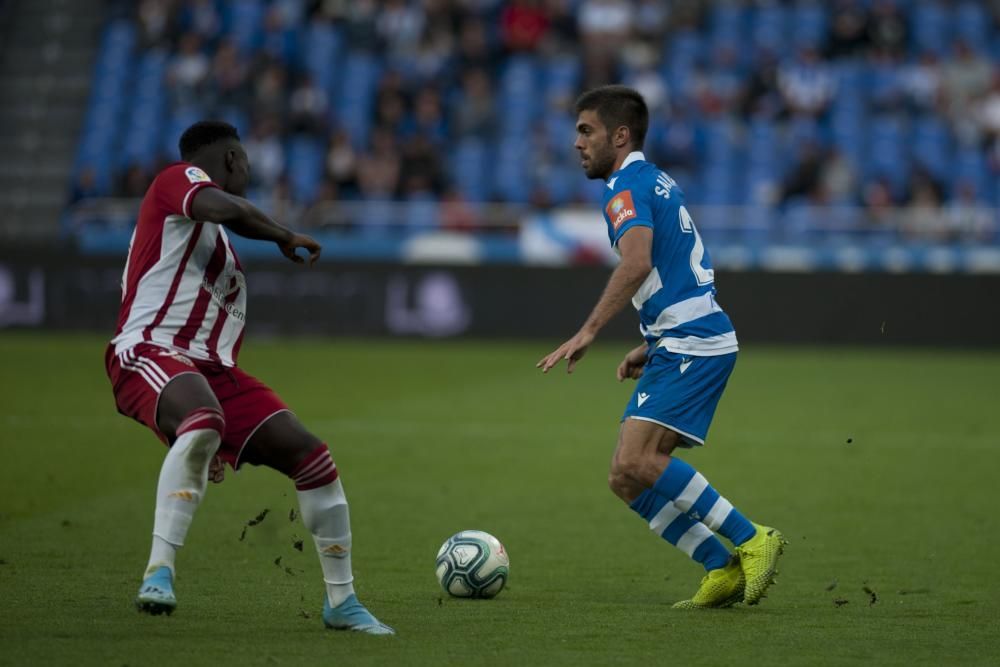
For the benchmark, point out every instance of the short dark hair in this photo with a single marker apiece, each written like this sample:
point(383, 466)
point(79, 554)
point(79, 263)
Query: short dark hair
point(204, 133)
point(617, 106)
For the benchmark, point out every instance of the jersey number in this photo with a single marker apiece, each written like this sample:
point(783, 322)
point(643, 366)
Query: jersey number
point(701, 274)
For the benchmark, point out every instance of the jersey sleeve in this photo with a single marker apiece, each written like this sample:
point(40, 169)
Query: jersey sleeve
point(627, 209)
point(176, 186)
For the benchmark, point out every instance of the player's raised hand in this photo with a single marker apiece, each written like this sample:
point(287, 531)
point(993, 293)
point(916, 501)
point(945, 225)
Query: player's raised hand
point(296, 241)
point(572, 351)
point(633, 364)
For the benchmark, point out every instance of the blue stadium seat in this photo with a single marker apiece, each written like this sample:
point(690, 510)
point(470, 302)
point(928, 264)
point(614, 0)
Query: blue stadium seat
point(931, 145)
point(355, 99)
point(470, 164)
point(771, 24)
point(887, 143)
point(809, 24)
point(243, 21)
point(322, 55)
point(931, 27)
point(304, 165)
point(972, 25)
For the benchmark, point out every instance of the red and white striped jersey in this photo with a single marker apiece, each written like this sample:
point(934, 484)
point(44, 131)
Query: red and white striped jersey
point(183, 286)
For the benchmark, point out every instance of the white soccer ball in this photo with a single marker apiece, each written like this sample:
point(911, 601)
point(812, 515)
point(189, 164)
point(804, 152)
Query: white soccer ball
point(472, 564)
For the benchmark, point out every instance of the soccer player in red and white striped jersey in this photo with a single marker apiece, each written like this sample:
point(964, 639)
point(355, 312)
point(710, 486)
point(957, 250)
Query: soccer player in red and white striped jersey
point(172, 366)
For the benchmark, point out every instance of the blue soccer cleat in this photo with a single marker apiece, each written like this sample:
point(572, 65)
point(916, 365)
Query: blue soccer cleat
point(156, 595)
point(352, 615)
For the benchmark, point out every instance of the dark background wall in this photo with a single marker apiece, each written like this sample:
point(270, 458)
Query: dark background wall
point(66, 291)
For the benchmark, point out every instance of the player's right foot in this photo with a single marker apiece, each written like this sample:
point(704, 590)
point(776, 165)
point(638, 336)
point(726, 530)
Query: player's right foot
point(352, 615)
point(719, 588)
point(759, 560)
point(156, 595)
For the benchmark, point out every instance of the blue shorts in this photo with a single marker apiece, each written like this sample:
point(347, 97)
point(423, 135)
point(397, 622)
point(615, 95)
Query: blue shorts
point(680, 392)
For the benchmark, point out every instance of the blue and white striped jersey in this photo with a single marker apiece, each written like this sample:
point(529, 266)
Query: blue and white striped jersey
point(676, 303)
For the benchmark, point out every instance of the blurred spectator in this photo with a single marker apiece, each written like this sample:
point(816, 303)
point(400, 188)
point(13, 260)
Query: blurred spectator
point(308, 107)
point(887, 29)
point(922, 218)
point(848, 34)
point(134, 182)
point(965, 77)
point(420, 170)
point(85, 186)
point(806, 84)
point(838, 179)
point(188, 71)
point(229, 77)
point(269, 95)
point(342, 163)
point(987, 112)
point(920, 82)
point(378, 169)
point(562, 35)
point(266, 153)
point(474, 50)
point(761, 95)
point(803, 181)
point(278, 40)
point(474, 113)
point(605, 24)
point(428, 117)
point(391, 103)
point(399, 24)
point(523, 25)
point(154, 22)
point(879, 204)
point(202, 18)
point(968, 219)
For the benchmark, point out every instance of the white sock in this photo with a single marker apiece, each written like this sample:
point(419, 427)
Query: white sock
point(325, 515)
point(183, 478)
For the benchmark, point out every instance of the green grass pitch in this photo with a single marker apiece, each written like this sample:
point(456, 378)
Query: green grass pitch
point(879, 465)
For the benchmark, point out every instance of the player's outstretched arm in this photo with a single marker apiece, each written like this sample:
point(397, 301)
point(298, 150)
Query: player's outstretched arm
point(245, 219)
point(636, 247)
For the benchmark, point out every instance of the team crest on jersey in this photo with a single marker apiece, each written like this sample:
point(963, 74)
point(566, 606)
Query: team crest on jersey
point(620, 209)
point(196, 175)
point(178, 356)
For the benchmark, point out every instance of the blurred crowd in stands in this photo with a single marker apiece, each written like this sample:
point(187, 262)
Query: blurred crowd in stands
point(873, 103)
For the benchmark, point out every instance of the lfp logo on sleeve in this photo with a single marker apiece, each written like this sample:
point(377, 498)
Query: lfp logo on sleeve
point(196, 175)
point(620, 209)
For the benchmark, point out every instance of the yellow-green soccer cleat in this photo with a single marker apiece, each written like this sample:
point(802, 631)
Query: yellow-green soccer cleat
point(719, 588)
point(759, 560)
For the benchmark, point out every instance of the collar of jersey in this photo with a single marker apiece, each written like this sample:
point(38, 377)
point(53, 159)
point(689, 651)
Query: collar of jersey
point(634, 156)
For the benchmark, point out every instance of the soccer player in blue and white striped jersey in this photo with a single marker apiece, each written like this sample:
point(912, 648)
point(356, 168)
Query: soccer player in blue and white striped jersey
point(683, 364)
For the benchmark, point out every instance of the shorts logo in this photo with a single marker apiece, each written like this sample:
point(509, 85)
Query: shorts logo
point(176, 355)
point(641, 398)
point(620, 209)
point(196, 175)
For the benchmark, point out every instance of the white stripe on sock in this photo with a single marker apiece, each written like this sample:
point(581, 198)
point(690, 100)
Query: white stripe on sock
point(693, 538)
point(689, 496)
point(664, 518)
point(718, 514)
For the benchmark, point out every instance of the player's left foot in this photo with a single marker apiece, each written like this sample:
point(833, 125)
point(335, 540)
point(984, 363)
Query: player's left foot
point(352, 615)
point(759, 559)
point(719, 588)
point(156, 594)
